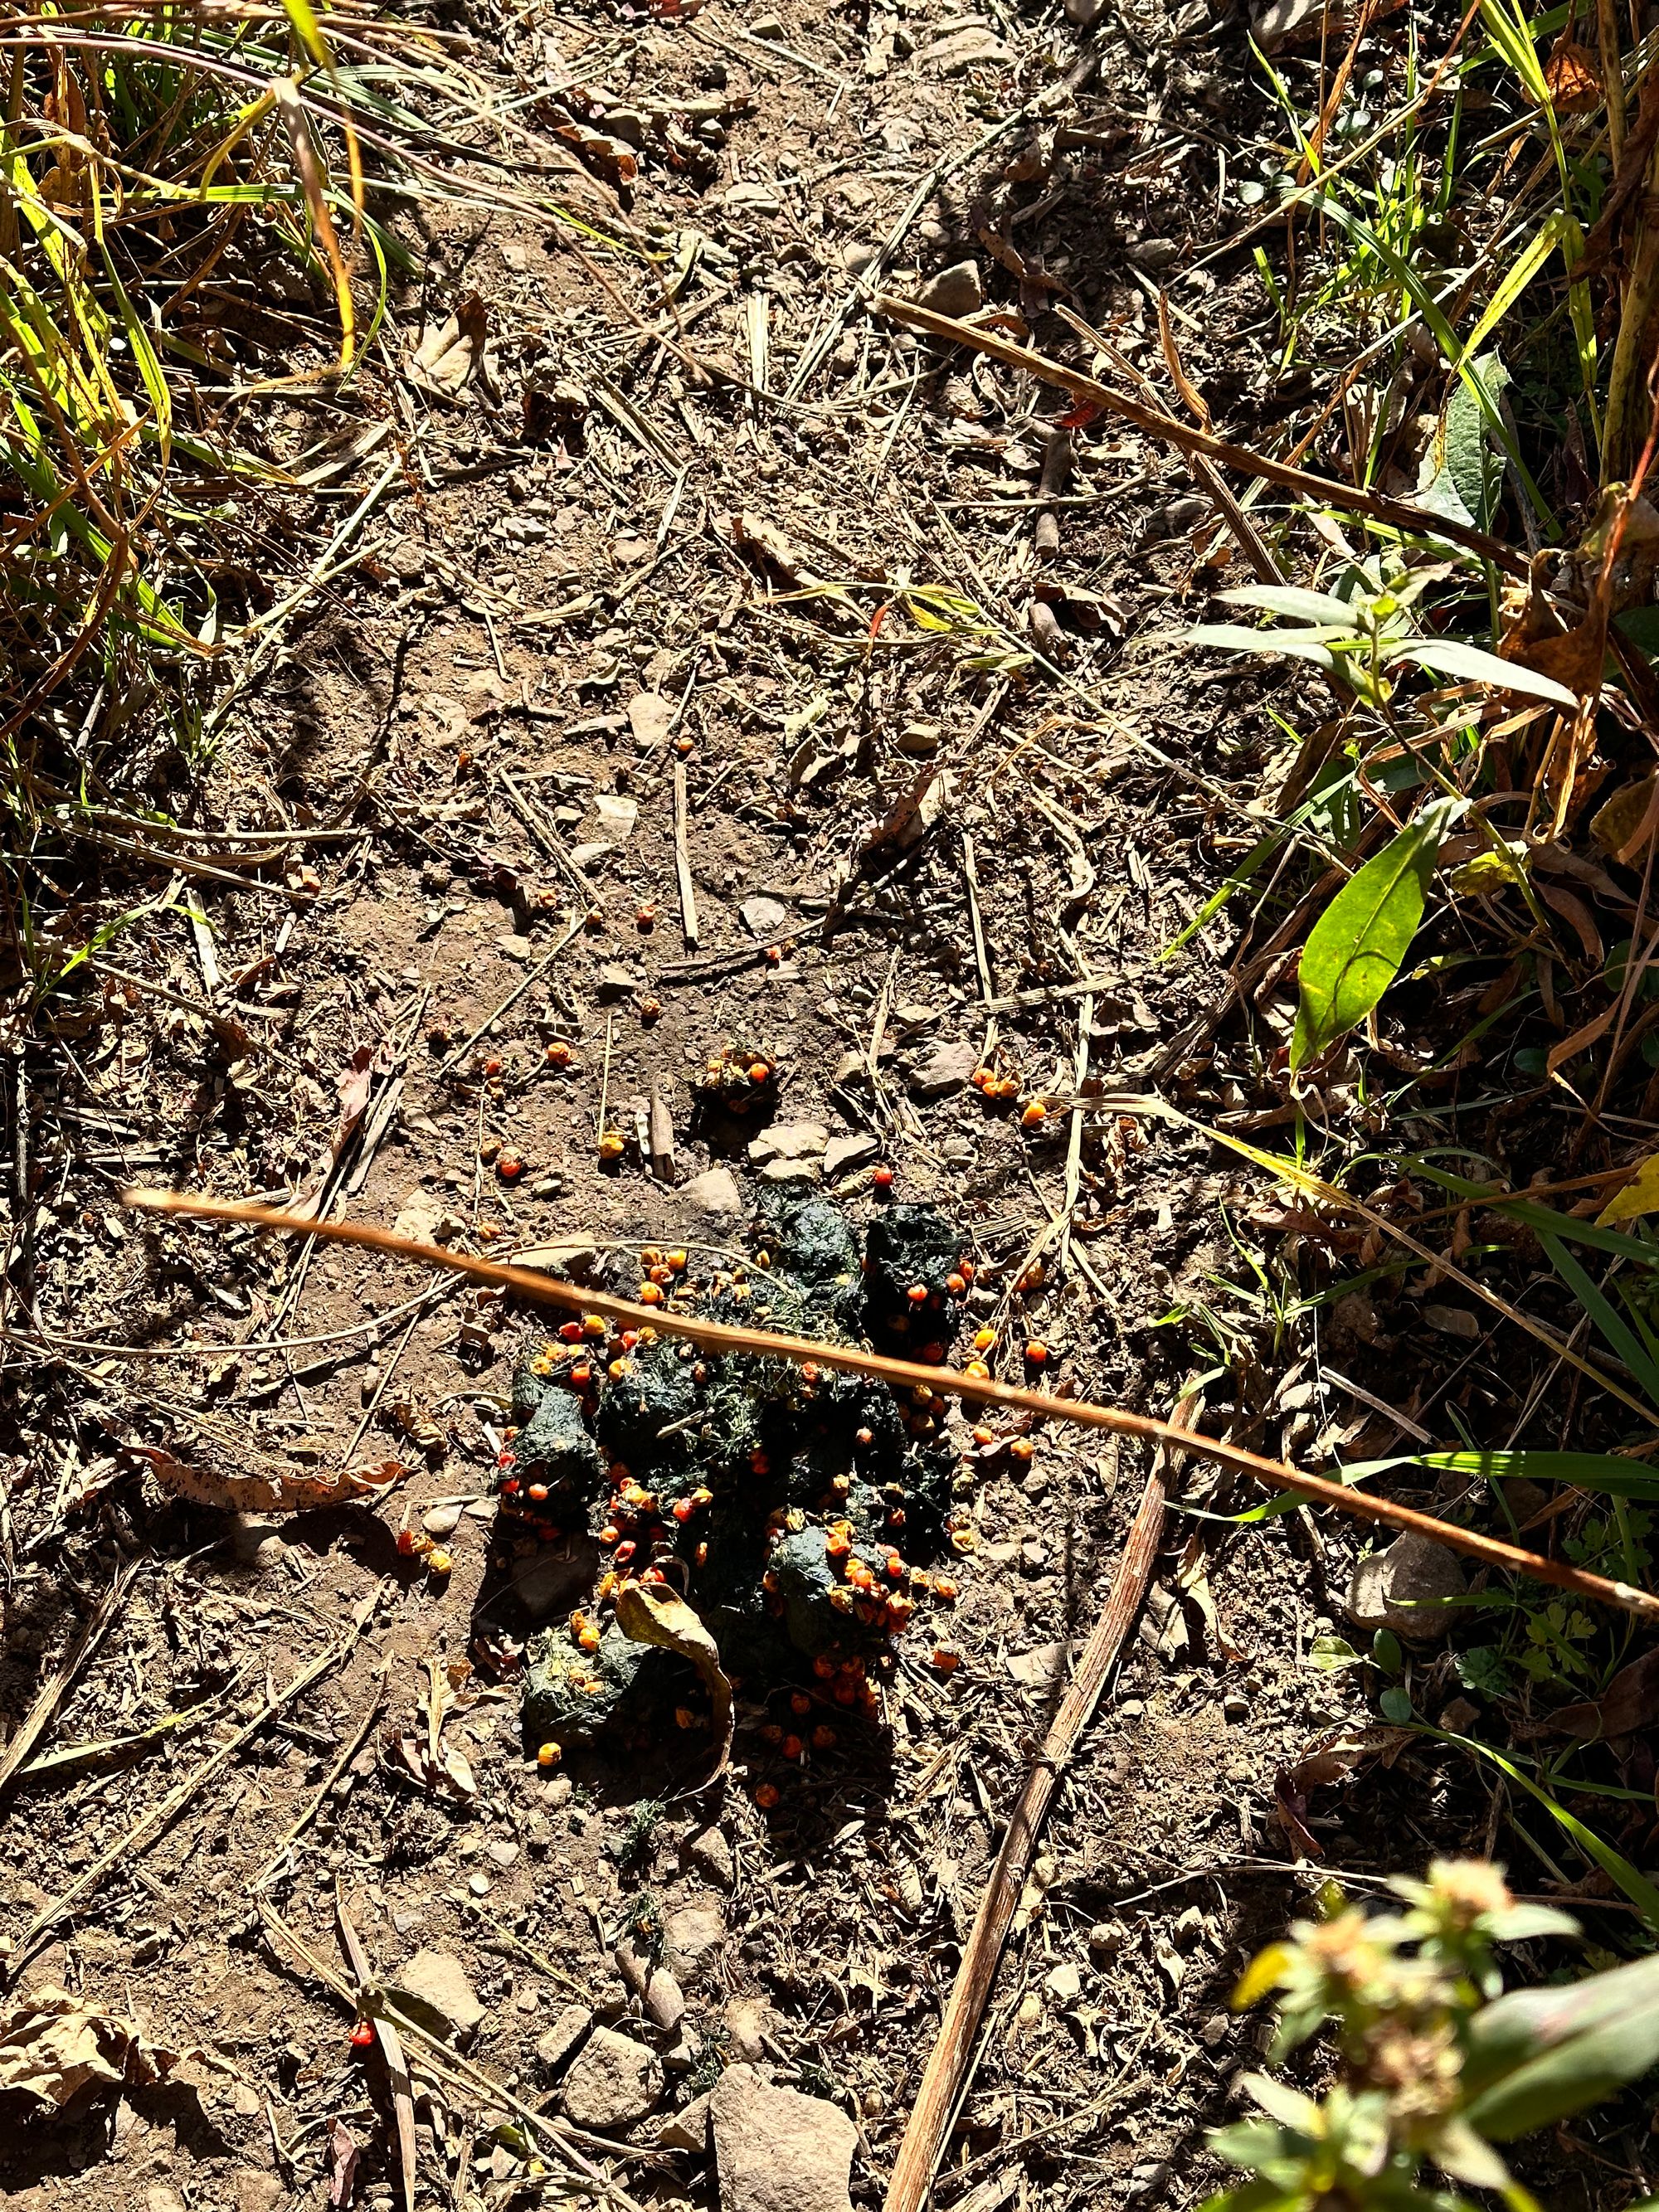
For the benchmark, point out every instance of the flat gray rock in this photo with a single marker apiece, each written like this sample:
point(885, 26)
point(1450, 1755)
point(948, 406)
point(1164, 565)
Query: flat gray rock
point(777, 2151)
point(842, 1154)
point(944, 1070)
point(1405, 1587)
point(439, 1983)
point(613, 2084)
point(714, 1195)
point(955, 291)
point(555, 2044)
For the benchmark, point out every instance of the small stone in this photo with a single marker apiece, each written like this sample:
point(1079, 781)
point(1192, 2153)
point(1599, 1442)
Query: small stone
point(249, 1540)
point(777, 2151)
point(753, 199)
point(617, 815)
point(479, 1884)
point(711, 1855)
point(1064, 1983)
point(435, 1980)
point(255, 2192)
point(158, 2197)
point(1236, 1706)
point(615, 983)
point(1405, 1587)
point(613, 2084)
point(764, 916)
point(842, 1154)
point(1153, 253)
point(558, 2043)
point(955, 291)
point(1454, 1321)
point(501, 1853)
point(651, 717)
point(1215, 2030)
point(944, 1071)
point(1105, 1937)
point(1459, 1716)
point(714, 1195)
point(664, 2000)
point(692, 1932)
point(969, 48)
point(587, 856)
point(747, 2021)
point(442, 1520)
point(558, 1792)
point(689, 2130)
point(792, 1151)
point(1035, 1669)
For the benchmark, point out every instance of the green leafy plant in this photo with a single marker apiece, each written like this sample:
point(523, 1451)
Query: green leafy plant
point(1436, 2067)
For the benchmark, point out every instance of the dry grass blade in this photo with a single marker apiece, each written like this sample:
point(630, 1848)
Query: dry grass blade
point(947, 2064)
point(39, 1717)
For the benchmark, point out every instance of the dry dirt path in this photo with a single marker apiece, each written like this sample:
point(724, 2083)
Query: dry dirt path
point(862, 651)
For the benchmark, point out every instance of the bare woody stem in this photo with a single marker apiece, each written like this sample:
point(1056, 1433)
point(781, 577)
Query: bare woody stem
point(912, 1375)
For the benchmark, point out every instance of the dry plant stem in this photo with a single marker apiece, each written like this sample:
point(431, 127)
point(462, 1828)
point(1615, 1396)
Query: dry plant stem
point(144, 1831)
point(911, 1375)
point(1397, 514)
point(39, 1714)
point(947, 2064)
point(1613, 76)
point(1627, 397)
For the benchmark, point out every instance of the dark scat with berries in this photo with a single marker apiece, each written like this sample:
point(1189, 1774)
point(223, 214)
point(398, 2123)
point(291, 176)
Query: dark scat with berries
point(795, 1509)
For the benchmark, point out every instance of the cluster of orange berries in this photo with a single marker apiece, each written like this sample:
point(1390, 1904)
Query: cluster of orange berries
point(738, 1077)
point(412, 1544)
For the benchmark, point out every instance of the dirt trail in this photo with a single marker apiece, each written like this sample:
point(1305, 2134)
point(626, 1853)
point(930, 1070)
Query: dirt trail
point(867, 649)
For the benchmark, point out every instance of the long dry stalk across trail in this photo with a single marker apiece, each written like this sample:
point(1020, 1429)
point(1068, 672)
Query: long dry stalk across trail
point(911, 1375)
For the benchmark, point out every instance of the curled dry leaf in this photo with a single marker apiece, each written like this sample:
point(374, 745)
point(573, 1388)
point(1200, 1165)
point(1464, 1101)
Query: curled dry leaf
point(651, 1616)
point(52, 2047)
point(273, 1491)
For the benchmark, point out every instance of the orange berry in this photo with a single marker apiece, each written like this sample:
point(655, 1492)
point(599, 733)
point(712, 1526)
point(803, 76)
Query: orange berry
point(944, 1588)
point(1037, 1352)
point(956, 1285)
point(978, 1369)
point(800, 1704)
point(765, 1797)
point(759, 1072)
point(824, 1736)
point(649, 1009)
point(1021, 1448)
point(682, 1509)
point(917, 1294)
point(549, 1755)
point(508, 1166)
point(646, 916)
point(650, 1294)
point(946, 1659)
point(984, 1339)
point(1034, 1116)
point(883, 1178)
point(792, 1746)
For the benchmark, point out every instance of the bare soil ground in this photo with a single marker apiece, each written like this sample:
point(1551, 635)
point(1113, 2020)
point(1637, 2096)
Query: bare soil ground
point(812, 609)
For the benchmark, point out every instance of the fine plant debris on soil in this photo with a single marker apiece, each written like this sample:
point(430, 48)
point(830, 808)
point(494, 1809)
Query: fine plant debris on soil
point(980, 685)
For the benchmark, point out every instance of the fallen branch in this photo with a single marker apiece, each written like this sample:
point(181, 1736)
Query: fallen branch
point(911, 1375)
point(1324, 491)
point(948, 2062)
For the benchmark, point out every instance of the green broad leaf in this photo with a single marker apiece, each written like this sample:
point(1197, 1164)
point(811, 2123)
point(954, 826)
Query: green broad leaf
point(1233, 637)
point(1298, 605)
point(1462, 472)
point(1355, 948)
point(1396, 1705)
point(1387, 1653)
point(1537, 2055)
point(1449, 656)
point(1481, 1668)
point(1329, 1654)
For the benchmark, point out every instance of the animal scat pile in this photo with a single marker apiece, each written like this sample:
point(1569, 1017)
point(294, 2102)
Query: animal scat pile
point(796, 1509)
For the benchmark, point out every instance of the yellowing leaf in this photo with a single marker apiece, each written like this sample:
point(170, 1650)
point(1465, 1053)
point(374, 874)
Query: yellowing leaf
point(652, 1616)
point(1640, 1195)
